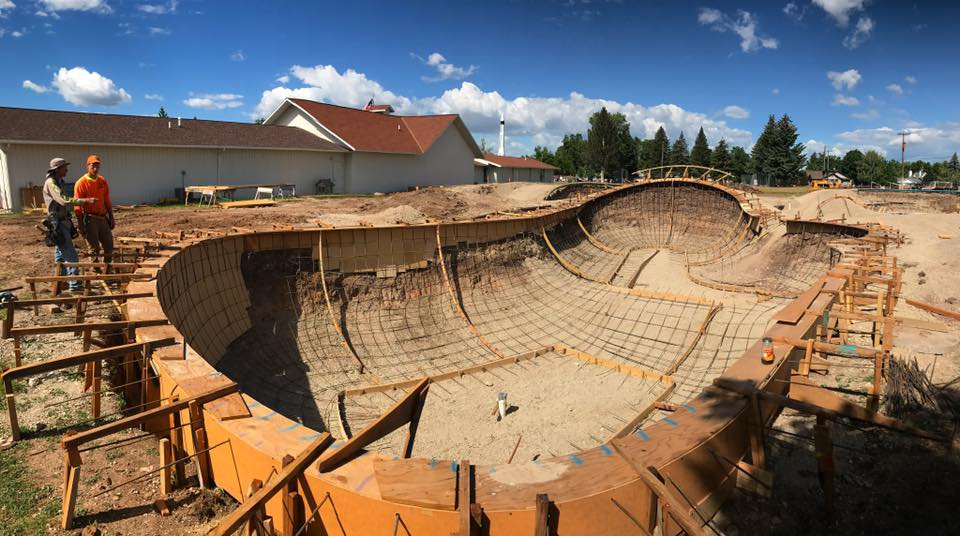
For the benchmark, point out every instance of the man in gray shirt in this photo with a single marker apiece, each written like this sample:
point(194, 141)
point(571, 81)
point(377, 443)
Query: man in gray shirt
point(58, 212)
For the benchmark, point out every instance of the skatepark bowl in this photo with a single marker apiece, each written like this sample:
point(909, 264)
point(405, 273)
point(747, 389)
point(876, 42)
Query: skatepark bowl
point(589, 317)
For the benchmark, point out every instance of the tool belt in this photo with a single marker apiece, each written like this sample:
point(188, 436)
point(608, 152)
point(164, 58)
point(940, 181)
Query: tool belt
point(96, 216)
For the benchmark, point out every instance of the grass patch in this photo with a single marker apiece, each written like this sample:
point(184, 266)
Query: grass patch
point(24, 507)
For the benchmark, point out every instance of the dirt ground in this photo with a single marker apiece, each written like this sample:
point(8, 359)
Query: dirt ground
point(886, 483)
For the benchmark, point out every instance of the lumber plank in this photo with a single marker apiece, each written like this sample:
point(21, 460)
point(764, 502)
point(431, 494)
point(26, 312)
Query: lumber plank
point(421, 483)
point(934, 309)
point(792, 313)
point(58, 363)
point(135, 420)
point(61, 328)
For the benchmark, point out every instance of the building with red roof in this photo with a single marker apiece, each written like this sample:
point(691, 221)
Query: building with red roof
point(496, 168)
point(386, 152)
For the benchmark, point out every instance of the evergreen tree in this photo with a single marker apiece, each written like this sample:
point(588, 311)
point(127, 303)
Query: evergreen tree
point(679, 153)
point(259, 120)
point(700, 155)
point(762, 149)
point(610, 148)
point(720, 159)
point(661, 147)
point(789, 155)
point(162, 114)
point(740, 163)
point(570, 155)
point(484, 148)
point(954, 165)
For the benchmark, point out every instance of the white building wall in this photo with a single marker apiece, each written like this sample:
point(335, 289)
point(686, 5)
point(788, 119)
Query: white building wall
point(293, 117)
point(147, 174)
point(448, 161)
point(6, 195)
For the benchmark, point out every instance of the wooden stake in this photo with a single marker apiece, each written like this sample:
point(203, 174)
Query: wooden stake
point(71, 483)
point(176, 443)
point(542, 516)
point(8, 319)
point(11, 409)
point(166, 474)
point(97, 369)
point(824, 452)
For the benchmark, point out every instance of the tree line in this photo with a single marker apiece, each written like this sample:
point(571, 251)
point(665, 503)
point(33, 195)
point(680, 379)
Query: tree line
point(611, 152)
point(872, 167)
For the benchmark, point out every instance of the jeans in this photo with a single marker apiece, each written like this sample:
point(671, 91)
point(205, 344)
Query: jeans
point(99, 235)
point(65, 252)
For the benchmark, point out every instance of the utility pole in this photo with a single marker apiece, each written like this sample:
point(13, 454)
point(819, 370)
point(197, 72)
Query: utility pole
point(903, 153)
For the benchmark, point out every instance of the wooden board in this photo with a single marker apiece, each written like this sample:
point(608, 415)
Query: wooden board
point(248, 203)
point(422, 483)
point(792, 313)
point(231, 406)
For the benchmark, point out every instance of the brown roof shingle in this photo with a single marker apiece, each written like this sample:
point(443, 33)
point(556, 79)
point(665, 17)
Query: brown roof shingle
point(27, 125)
point(376, 132)
point(517, 162)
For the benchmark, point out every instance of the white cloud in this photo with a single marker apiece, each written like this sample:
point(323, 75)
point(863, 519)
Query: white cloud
point(736, 112)
point(16, 34)
point(794, 11)
point(775, 91)
point(4, 5)
point(153, 30)
point(816, 146)
point(85, 88)
point(709, 15)
point(159, 9)
point(238, 56)
point(840, 10)
point(860, 33)
point(744, 25)
point(847, 79)
point(445, 69)
point(97, 6)
point(910, 79)
point(36, 88)
point(868, 115)
point(153, 97)
point(214, 101)
point(929, 143)
point(285, 79)
point(844, 100)
point(541, 120)
point(126, 28)
point(896, 89)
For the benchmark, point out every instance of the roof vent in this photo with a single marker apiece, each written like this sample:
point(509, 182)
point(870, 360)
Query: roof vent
point(169, 125)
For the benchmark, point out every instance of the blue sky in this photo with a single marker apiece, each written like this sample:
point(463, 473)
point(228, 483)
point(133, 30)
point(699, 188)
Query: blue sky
point(851, 73)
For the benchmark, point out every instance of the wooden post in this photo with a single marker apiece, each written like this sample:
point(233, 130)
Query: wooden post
point(414, 422)
point(166, 474)
point(87, 337)
point(465, 500)
point(78, 312)
point(176, 443)
point(824, 453)
point(11, 409)
point(71, 483)
point(200, 444)
point(807, 359)
point(256, 520)
point(97, 367)
point(9, 307)
point(294, 515)
point(542, 516)
point(17, 352)
point(33, 292)
point(755, 424)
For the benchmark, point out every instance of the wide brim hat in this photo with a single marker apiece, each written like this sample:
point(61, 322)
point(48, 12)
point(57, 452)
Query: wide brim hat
point(57, 163)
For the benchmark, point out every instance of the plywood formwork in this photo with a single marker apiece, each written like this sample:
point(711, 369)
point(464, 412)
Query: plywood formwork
point(287, 313)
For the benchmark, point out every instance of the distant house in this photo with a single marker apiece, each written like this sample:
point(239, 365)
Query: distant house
point(495, 168)
point(814, 175)
point(385, 152)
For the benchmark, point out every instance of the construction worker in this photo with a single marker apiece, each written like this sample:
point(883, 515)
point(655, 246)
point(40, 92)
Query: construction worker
point(96, 219)
point(58, 216)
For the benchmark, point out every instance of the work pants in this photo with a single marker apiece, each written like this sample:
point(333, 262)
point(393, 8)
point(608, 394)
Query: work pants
point(99, 236)
point(64, 251)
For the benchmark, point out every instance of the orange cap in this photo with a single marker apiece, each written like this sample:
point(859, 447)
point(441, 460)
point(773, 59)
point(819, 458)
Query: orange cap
point(93, 158)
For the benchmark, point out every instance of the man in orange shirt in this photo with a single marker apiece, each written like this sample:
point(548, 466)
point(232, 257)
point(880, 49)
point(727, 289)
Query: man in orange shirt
point(96, 219)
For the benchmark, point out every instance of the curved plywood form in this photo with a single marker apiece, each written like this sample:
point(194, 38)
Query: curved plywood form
point(325, 329)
